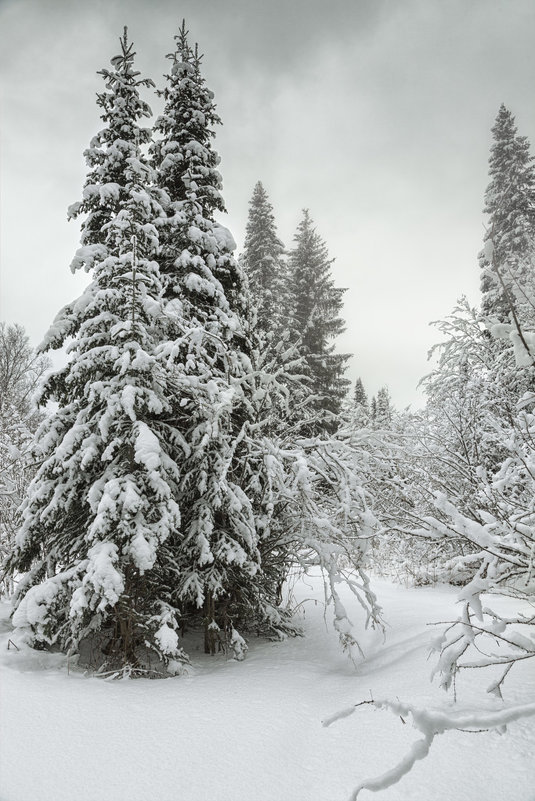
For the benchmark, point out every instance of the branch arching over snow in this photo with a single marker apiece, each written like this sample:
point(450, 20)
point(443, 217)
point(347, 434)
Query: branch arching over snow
point(430, 722)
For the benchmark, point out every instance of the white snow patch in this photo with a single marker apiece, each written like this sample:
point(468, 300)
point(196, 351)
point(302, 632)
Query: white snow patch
point(167, 639)
point(143, 552)
point(224, 238)
point(147, 448)
point(272, 744)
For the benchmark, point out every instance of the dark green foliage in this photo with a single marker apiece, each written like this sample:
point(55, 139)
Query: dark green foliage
point(507, 259)
point(360, 398)
point(316, 322)
point(186, 169)
point(102, 505)
point(382, 409)
point(265, 267)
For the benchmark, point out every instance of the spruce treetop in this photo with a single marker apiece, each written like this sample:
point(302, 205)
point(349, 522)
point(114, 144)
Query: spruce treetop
point(360, 397)
point(316, 323)
point(383, 409)
point(510, 205)
point(196, 258)
point(119, 197)
point(185, 159)
point(114, 153)
point(264, 266)
point(316, 297)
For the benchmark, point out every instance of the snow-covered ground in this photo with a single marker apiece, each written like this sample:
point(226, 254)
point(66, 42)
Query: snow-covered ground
point(251, 731)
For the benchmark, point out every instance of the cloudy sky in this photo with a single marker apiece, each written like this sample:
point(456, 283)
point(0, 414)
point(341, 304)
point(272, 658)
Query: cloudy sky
point(374, 114)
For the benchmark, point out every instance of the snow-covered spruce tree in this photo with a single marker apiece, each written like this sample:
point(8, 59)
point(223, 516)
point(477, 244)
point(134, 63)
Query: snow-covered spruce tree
point(249, 499)
point(382, 410)
point(265, 267)
point(506, 260)
point(360, 398)
point(215, 546)
point(456, 447)
point(103, 503)
point(315, 307)
point(356, 408)
point(207, 350)
point(197, 253)
point(267, 276)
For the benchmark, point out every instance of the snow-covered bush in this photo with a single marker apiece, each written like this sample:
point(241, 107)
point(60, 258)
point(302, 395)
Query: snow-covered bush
point(463, 473)
point(21, 370)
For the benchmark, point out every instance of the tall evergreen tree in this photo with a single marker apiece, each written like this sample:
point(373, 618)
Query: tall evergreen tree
point(264, 265)
point(356, 408)
point(382, 409)
point(360, 407)
point(316, 322)
point(207, 349)
point(360, 398)
point(245, 504)
point(102, 505)
point(197, 254)
point(506, 261)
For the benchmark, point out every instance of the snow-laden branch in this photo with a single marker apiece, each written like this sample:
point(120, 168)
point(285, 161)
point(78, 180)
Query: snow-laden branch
point(430, 722)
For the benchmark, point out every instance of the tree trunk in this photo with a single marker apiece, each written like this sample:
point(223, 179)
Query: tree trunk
point(210, 635)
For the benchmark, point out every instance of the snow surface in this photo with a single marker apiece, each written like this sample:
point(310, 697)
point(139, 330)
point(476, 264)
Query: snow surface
point(252, 730)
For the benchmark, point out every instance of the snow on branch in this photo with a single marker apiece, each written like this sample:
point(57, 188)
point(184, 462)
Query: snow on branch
point(523, 342)
point(430, 722)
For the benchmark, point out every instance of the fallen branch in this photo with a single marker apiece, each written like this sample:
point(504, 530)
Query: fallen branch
point(430, 723)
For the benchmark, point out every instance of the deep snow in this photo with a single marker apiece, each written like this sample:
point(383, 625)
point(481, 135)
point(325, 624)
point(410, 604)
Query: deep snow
point(252, 730)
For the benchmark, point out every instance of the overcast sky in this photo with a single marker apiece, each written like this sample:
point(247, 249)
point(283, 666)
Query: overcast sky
point(374, 114)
